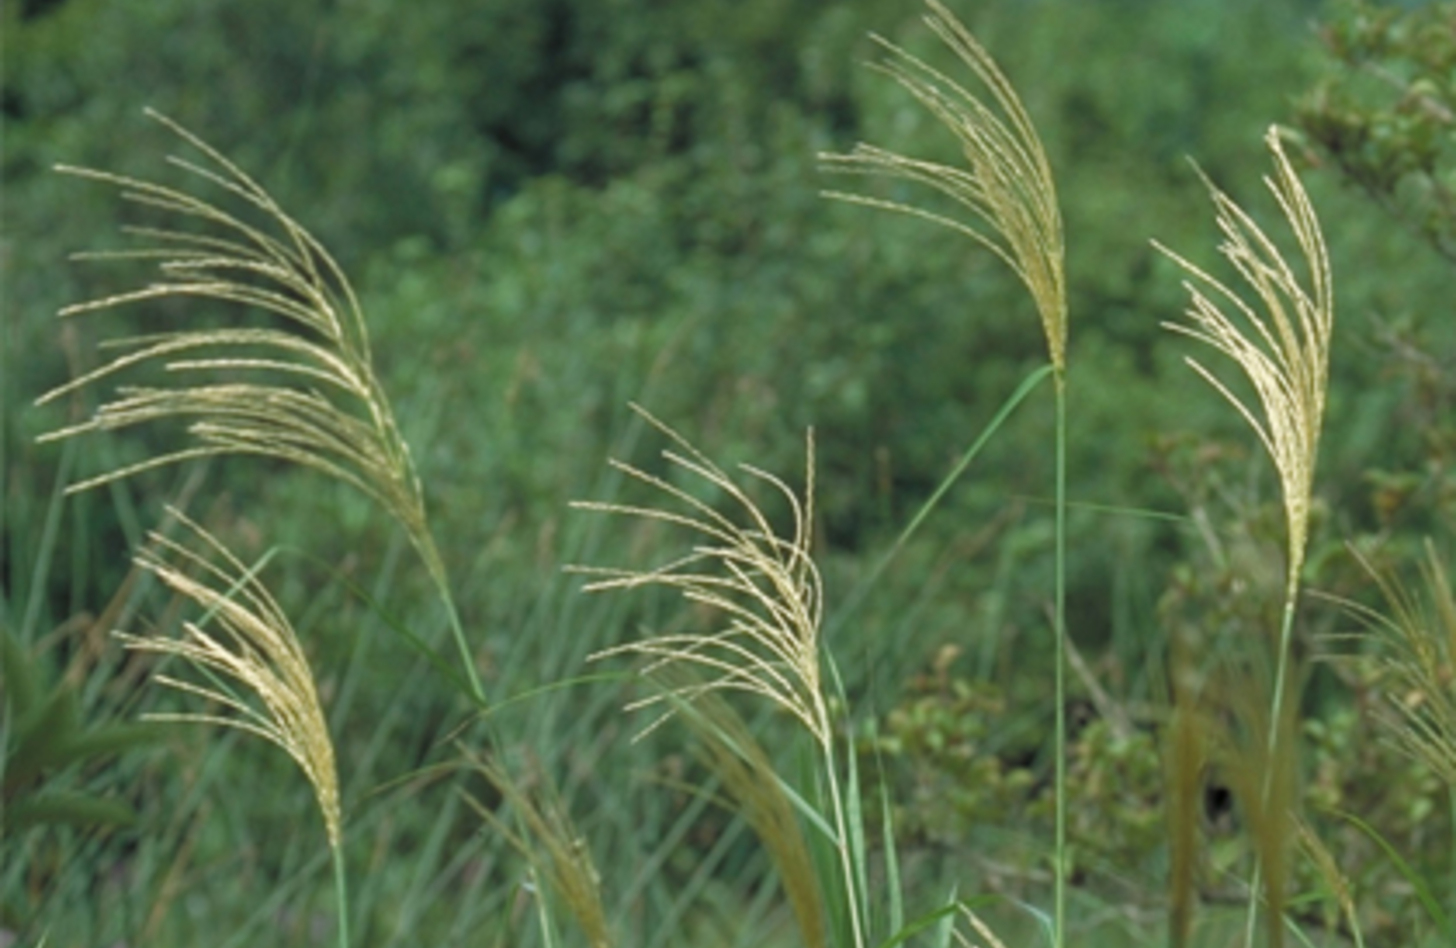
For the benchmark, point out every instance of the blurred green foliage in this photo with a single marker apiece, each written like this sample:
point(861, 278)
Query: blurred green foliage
point(1387, 118)
point(552, 208)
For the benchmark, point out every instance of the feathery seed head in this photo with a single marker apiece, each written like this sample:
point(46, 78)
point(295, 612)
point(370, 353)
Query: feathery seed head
point(304, 391)
point(765, 586)
point(248, 639)
point(1007, 186)
point(1284, 350)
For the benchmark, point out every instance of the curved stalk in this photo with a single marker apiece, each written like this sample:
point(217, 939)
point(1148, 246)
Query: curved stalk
point(1060, 877)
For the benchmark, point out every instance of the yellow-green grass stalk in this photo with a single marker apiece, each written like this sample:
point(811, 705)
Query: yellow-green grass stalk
point(734, 754)
point(550, 843)
point(767, 591)
point(244, 637)
point(1282, 346)
point(1186, 753)
point(304, 391)
point(1006, 188)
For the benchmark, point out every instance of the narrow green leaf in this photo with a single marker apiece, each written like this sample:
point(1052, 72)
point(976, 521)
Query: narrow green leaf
point(81, 810)
point(109, 739)
point(862, 589)
point(40, 741)
point(946, 925)
point(20, 675)
point(1422, 889)
point(892, 866)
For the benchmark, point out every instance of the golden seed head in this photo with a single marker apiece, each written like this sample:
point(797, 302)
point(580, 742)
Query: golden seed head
point(1007, 182)
point(1282, 344)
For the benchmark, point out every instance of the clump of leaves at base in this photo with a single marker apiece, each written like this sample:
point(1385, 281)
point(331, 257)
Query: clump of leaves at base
point(45, 736)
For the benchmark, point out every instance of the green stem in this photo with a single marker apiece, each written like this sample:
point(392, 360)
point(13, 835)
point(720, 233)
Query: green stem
point(341, 894)
point(425, 543)
point(1276, 709)
point(841, 829)
point(1060, 895)
point(477, 693)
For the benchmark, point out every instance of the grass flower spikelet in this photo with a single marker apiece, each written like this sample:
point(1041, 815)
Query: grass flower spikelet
point(765, 585)
point(1007, 185)
point(1285, 351)
point(246, 638)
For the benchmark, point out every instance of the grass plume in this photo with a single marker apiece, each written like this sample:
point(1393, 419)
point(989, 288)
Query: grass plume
point(1006, 185)
point(252, 644)
point(740, 761)
point(1419, 660)
point(245, 638)
point(1263, 774)
point(1185, 761)
point(767, 589)
point(1283, 351)
point(303, 391)
point(766, 585)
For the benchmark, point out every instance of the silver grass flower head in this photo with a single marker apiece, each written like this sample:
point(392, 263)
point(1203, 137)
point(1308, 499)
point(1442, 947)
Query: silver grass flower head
point(763, 585)
point(301, 390)
point(1006, 185)
point(1281, 341)
point(247, 639)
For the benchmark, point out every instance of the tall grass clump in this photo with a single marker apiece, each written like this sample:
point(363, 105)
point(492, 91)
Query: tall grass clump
point(766, 587)
point(304, 391)
point(1006, 203)
point(1281, 344)
point(758, 595)
point(299, 385)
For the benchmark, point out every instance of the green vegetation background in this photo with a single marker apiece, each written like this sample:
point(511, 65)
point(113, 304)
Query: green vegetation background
point(552, 207)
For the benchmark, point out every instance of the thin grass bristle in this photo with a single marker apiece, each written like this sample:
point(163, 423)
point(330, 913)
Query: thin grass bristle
point(980, 928)
point(764, 585)
point(1007, 185)
point(245, 638)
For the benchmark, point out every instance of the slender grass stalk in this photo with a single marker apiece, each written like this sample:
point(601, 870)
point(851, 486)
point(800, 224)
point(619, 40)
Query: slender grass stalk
point(1284, 354)
point(255, 646)
point(306, 393)
point(1008, 192)
point(550, 843)
point(1062, 870)
point(729, 747)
